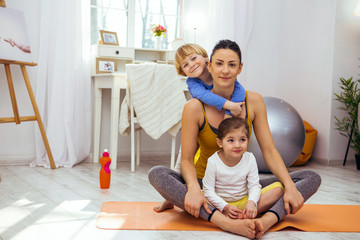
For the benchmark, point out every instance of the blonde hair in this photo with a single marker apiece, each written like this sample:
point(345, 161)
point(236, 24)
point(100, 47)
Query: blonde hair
point(184, 51)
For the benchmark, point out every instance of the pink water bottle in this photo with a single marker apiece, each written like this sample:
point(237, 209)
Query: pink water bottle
point(105, 173)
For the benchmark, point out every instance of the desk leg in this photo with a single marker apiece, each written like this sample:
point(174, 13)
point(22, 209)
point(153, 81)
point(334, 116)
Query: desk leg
point(97, 122)
point(114, 125)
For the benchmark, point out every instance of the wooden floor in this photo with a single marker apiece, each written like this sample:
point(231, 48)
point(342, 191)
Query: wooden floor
point(38, 203)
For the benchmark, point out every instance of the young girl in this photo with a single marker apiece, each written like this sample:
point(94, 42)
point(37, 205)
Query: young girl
point(231, 181)
point(191, 61)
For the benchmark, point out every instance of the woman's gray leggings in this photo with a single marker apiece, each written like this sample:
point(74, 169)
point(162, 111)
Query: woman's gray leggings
point(171, 186)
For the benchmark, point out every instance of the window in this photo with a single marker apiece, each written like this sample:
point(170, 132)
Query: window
point(132, 20)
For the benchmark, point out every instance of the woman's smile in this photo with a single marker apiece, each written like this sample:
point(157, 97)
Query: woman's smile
point(225, 78)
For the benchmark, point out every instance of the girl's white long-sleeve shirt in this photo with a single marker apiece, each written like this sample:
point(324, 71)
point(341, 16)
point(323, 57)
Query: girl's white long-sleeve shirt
point(223, 184)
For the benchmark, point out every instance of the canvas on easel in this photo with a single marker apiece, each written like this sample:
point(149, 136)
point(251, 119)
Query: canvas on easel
point(15, 50)
point(14, 41)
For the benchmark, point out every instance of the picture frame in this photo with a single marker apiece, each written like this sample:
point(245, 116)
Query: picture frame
point(109, 38)
point(106, 65)
point(2, 3)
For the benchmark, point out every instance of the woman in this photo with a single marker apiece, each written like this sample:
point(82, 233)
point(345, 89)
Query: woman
point(199, 121)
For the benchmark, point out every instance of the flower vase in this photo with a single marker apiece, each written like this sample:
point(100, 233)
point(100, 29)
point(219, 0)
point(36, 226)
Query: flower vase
point(158, 42)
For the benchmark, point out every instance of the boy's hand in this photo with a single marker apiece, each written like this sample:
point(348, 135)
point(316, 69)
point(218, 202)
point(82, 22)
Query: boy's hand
point(232, 211)
point(236, 108)
point(250, 210)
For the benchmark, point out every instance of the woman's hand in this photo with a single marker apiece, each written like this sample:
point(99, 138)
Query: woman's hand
point(293, 198)
point(250, 210)
point(194, 199)
point(232, 212)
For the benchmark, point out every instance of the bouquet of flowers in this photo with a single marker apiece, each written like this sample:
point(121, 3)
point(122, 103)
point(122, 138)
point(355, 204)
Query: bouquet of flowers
point(158, 30)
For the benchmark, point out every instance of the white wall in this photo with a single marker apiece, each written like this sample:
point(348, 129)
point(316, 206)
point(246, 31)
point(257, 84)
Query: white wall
point(17, 142)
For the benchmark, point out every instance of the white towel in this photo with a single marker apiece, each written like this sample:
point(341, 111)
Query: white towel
point(157, 96)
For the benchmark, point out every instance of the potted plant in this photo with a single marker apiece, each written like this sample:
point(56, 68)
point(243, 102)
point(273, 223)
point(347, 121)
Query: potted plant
point(349, 98)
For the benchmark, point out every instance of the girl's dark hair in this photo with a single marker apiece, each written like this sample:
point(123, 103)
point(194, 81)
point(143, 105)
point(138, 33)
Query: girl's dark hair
point(227, 44)
point(230, 124)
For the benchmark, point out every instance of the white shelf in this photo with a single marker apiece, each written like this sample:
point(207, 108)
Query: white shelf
point(125, 55)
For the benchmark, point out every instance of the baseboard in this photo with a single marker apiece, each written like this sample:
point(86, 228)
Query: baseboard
point(340, 162)
point(333, 162)
point(27, 159)
point(15, 160)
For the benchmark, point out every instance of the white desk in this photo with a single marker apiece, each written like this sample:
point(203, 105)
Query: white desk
point(115, 82)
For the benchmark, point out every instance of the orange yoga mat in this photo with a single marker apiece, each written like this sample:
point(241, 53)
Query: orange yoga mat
point(140, 216)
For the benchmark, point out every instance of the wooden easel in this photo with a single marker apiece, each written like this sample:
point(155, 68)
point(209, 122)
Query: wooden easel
point(17, 119)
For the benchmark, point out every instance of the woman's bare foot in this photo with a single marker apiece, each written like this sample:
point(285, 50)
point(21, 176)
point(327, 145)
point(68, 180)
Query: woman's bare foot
point(244, 227)
point(268, 220)
point(163, 206)
point(259, 228)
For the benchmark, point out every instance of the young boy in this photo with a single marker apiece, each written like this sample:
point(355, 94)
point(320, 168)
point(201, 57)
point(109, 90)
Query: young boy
point(191, 61)
point(231, 181)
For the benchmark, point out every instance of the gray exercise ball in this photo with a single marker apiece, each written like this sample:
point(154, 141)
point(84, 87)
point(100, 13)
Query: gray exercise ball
point(287, 130)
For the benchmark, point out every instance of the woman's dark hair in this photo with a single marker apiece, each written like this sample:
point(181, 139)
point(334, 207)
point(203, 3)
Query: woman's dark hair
point(230, 124)
point(227, 44)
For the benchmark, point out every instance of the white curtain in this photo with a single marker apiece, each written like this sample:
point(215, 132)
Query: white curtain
point(231, 19)
point(64, 82)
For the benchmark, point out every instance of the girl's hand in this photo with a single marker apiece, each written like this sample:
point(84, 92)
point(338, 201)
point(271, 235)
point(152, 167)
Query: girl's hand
point(232, 212)
point(250, 210)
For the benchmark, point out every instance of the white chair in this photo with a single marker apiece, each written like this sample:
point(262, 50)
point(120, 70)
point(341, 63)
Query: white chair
point(152, 84)
point(135, 133)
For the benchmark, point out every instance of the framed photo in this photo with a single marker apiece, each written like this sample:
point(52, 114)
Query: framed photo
point(2, 3)
point(109, 38)
point(105, 65)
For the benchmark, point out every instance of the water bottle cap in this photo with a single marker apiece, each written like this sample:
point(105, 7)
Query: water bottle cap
point(105, 153)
